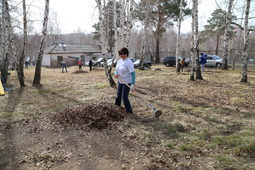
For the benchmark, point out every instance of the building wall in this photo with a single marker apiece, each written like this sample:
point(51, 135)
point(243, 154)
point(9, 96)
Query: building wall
point(54, 60)
point(71, 59)
point(46, 60)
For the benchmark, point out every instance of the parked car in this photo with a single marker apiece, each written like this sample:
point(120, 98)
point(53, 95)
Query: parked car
point(98, 62)
point(109, 62)
point(132, 59)
point(146, 63)
point(213, 61)
point(93, 63)
point(171, 61)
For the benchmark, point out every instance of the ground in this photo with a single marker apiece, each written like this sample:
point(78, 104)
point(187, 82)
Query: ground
point(70, 122)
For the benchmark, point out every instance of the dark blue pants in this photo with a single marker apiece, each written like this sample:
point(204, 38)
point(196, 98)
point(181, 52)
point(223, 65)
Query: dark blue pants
point(122, 93)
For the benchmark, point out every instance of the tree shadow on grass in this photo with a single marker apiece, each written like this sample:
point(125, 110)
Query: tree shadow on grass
point(45, 93)
point(8, 154)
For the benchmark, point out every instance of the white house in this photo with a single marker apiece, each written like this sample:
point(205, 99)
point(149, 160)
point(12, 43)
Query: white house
point(70, 53)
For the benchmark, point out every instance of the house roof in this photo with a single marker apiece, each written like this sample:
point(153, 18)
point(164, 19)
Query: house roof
point(72, 48)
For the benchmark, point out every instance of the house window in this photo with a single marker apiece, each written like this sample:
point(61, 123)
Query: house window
point(60, 58)
point(83, 58)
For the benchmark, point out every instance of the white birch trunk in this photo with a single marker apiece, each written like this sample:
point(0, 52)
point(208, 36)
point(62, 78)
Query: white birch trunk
point(116, 43)
point(194, 49)
point(5, 39)
point(178, 39)
point(246, 42)
point(37, 77)
point(10, 33)
point(196, 41)
point(104, 42)
point(226, 36)
point(145, 34)
point(130, 5)
point(20, 70)
point(122, 19)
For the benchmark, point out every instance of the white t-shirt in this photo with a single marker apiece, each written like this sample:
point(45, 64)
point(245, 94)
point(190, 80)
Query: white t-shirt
point(124, 69)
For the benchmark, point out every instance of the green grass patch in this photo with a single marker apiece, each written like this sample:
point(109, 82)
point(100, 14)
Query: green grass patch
point(170, 145)
point(170, 130)
point(8, 114)
point(247, 147)
point(228, 141)
point(227, 162)
point(238, 144)
point(187, 147)
point(102, 86)
point(211, 119)
point(205, 134)
point(44, 91)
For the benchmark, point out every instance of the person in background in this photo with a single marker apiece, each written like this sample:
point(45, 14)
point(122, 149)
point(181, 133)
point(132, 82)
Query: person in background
point(80, 64)
point(182, 64)
point(90, 65)
point(26, 64)
point(203, 61)
point(63, 65)
point(125, 72)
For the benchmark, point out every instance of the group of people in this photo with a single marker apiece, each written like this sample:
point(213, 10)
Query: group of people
point(80, 65)
point(64, 68)
point(202, 62)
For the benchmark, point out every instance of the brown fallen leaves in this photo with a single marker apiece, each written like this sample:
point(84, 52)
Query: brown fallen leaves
point(92, 116)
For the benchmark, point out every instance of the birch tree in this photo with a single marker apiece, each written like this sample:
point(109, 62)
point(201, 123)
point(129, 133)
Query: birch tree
point(195, 49)
point(122, 29)
point(246, 42)
point(193, 57)
point(10, 40)
point(116, 43)
point(129, 19)
point(227, 36)
point(145, 34)
point(178, 39)
point(104, 42)
point(20, 70)
point(4, 62)
point(37, 76)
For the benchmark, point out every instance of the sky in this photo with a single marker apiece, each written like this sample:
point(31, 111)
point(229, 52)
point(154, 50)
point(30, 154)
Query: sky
point(75, 14)
point(82, 14)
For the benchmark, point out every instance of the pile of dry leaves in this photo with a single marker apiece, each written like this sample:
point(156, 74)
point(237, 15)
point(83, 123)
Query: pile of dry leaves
point(92, 116)
point(80, 71)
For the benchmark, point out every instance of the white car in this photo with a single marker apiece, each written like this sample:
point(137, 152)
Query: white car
point(213, 61)
point(109, 62)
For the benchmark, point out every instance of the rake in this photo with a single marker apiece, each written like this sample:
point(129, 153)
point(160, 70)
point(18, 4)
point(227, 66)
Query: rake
point(155, 111)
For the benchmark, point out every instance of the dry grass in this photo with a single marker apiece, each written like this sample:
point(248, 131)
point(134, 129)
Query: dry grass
point(208, 124)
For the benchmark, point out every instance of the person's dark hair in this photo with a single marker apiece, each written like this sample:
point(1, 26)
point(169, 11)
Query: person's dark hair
point(201, 53)
point(124, 51)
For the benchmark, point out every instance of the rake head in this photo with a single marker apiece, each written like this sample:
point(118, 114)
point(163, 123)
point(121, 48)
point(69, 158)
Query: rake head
point(155, 111)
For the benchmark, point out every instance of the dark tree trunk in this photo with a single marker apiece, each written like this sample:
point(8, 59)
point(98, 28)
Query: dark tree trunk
point(224, 64)
point(157, 59)
point(20, 69)
point(4, 69)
